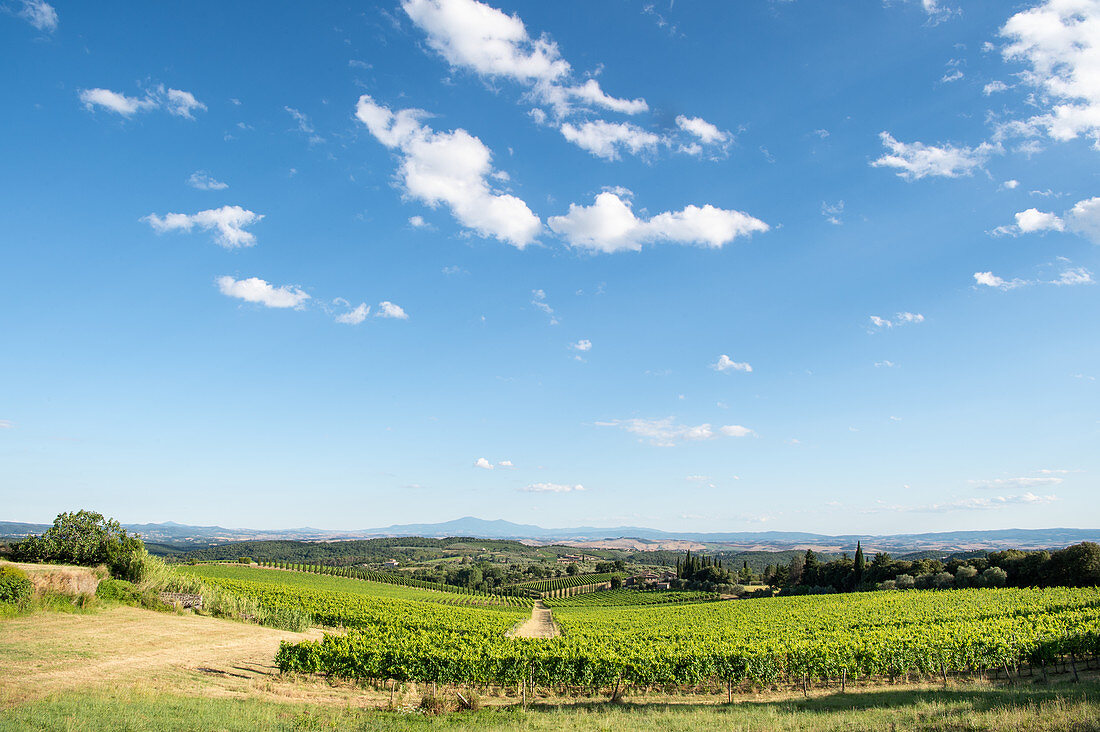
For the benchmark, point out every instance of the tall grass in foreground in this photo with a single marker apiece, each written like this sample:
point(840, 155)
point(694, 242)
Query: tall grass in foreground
point(219, 602)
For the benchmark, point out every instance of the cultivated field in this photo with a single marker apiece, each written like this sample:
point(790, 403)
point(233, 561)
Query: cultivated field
point(971, 659)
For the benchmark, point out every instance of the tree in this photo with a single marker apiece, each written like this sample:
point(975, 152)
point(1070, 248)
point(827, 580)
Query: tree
point(942, 580)
point(810, 567)
point(572, 569)
point(994, 577)
point(965, 575)
point(1076, 566)
point(860, 564)
point(86, 538)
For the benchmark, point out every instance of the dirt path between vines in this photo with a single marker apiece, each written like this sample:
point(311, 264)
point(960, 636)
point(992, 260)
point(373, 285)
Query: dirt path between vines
point(541, 624)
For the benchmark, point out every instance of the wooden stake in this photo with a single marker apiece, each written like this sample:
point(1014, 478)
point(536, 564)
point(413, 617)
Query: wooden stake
point(843, 679)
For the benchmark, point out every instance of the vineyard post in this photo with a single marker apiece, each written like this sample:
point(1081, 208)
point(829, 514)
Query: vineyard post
point(805, 690)
point(843, 679)
point(1073, 665)
point(943, 672)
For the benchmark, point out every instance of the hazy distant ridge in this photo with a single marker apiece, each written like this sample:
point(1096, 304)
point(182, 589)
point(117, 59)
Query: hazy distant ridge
point(499, 529)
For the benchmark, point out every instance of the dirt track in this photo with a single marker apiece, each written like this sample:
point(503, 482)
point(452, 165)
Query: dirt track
point(540, 625)
point(49, 652)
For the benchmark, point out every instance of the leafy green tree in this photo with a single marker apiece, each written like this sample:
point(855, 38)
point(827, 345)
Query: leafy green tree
point(965, 576)
point(86, 538)
point(860, 564)
point(572, 569)
point(994, 577)
point(1076, 566)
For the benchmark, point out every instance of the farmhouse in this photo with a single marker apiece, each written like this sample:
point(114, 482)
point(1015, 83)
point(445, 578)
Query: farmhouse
point(389, 564)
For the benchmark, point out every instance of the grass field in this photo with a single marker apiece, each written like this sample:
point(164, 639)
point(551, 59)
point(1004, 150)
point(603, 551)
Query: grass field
point(1060, 707)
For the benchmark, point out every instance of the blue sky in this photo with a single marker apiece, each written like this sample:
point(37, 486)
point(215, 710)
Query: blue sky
point(710, 266)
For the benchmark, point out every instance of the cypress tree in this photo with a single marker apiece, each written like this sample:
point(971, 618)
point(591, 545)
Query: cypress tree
point(860, 563)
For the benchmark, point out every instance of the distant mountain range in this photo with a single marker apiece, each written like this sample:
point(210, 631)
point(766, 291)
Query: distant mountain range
point(181, 534)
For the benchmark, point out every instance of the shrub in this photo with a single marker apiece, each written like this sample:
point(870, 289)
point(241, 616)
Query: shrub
point(887, 585)
point(905, 581)
point(245, 560)
point(120, 590)
point(15, 587)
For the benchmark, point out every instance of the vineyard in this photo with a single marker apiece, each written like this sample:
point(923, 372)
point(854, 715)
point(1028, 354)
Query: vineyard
point(767, 641)
point(303, 583)
point(563, 583)
point(369, 575)
point(624, 598)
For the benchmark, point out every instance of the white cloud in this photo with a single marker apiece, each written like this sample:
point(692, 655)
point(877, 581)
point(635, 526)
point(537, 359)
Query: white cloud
point(1023, 482)
point(1074, 276)
point(552, 488)
point(506, 464)
point(418, 222)
point(994, 87)
point(991, 280)
point(6, 424)
point(607, 139)
point(229, 222)
point(667, 432)
point(538, 299)
point(472, 35)
point(915, 160)
point(937, 13)
point(1033, 220)
point(904, 318)
point(725, 363)
point(885, 364)
point(1068, 277)
point(356, 316)
point(181, 103)
point(1084, 219)
point(1010, 184)
point(582, 345)
point(609, 225)
point(482, 39)
point(1059, 41)
point(452, 168)
point(591, 93)
point(951, 76)
point(833, 212)
point(387, 309)
point(174, 101)
point(971, 504)
point(483, 464)
point(113, 101)
point(700, 128)
point(304, 125)
point(203, 182)
point(259, 291)
point(40, 14)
